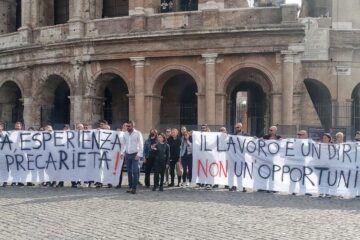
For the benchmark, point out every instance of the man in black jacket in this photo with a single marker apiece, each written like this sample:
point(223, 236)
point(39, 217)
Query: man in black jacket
point(174, 142)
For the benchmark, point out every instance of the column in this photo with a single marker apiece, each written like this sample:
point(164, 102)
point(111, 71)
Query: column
point(220, 114)
point(287, 87)
point(7, 16)
point(136, 7)
point(210, 80)
point(201, 108)
point(139, 75)
point(26, 20)
point(77, 19)
point(76, 109)
point(211, 4)
point(31, 113)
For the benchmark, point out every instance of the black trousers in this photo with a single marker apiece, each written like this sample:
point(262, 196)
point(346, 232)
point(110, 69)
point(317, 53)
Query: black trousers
point(159, 176)
point(121, 175)
point(172, 171)
point(186, 162)
point(148, 167)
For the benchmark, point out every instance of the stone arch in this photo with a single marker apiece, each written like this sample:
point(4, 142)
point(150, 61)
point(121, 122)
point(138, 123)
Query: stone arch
point(160, 77)
point(17, 82)
point(175, 101)
point(39, 84)
point(269, 77)
point(355, 108)
point(111, 92)
point(248, 90)
point(109, 71)
point(11, 102)
point(321, 98)
point(52, 97)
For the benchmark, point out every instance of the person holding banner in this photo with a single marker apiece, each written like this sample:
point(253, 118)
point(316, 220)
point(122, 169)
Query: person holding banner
point(339, 137)
point(2, 128)
point(272, 134)
point(162, 158)
point(132, 152)
point(238, 131)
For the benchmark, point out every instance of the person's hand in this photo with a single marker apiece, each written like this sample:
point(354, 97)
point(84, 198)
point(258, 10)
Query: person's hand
point(145, 160)
point(167, 165)
point(137, 158)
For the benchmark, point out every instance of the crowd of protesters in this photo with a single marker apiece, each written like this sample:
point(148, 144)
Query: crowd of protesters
point(167, 155)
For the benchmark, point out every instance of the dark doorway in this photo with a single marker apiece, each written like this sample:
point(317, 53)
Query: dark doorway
point(116, 100)
point(179, 103)
point(61, 110)
point(11, 106)
point(321, 98)
point(355, 123)
point(248, 106)
point(249, 102)
point(61, 11)
point(115, 8)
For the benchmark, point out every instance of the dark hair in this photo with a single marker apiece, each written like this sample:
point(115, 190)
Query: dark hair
point(103, 121)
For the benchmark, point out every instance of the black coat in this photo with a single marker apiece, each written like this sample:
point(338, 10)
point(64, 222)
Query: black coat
point(174, 148)
point(162, 156)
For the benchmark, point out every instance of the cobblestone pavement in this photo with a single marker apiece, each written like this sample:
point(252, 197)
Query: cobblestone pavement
point(176, 213)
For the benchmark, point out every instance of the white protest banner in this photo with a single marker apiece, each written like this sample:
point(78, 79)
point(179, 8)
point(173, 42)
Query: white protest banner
point(60, 156)
point(289, 165)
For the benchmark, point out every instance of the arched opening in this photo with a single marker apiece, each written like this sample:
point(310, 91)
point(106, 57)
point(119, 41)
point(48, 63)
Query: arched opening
point(55, 102)
point(114, 91)
point(355, 113)
point(249, 101)
point(179, 100)
point(321, 99)
point(11, 105)
point(61, 11)
point(115, 8)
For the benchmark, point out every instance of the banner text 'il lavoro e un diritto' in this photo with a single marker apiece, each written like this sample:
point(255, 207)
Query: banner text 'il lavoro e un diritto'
point(288, 165)
point(60, 156)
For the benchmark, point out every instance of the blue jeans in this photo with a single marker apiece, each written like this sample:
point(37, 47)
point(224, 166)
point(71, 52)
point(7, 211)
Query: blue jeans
point(132, 167)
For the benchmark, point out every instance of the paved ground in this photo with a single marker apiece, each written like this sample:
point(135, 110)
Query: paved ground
point(49, 213)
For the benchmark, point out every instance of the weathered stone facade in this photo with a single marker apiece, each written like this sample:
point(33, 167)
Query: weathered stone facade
point(171, 68)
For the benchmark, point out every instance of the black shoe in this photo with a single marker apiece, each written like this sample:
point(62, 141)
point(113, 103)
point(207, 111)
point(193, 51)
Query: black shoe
point(154, 189)
point(118, 186)
point(133, 191)
point(4, 184)
point(109, 185)
point(129, 191)
point(161, 189)
point(20, 184)
point(29, 184)
point(171, 185)
point(226, 187)
point(74, 186)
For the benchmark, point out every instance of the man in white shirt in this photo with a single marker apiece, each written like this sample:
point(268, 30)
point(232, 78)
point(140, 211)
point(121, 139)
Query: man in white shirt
point(132, 151)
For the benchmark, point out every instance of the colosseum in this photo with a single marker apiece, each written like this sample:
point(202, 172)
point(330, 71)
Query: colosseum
point(207, 61)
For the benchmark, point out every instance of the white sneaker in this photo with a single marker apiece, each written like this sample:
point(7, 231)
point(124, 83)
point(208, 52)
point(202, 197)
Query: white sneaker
point(187, 184)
